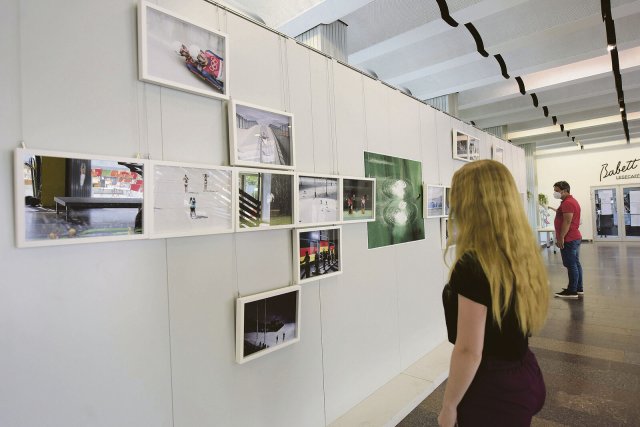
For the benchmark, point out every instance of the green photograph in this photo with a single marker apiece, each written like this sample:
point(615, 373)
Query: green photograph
point(398, 200)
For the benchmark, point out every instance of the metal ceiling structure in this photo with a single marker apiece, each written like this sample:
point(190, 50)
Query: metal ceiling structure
point(542, 68)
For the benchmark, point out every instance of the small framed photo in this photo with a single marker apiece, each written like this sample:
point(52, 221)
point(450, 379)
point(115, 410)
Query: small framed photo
point(264, 200)
point(317, 254)
point(260, 137)
point(317, 199)
point(465, 147)
point(190, 200)
point(68, 198)
point(497, 153)
point(177, 53)
point(267, 322)
point(434, 202)
point(358, 199)
point(444, 228)
point(447, 200)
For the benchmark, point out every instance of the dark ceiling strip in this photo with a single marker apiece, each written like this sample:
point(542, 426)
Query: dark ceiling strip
point(545, 110)
point(503, 66)
point(444, 13)
point(612, 47)
point(521, 85)
point(477, 38)
point(555, 120)
point(568, 133)
point(561, 127)
point(535, 99)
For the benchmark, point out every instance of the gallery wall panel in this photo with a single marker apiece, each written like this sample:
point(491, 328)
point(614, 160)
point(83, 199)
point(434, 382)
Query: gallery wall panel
point(359, 323)
point(61, 104)
point(376, 108)
point(430, 146)
point(404, 126)
point(299, 98)
point(322, 107)
point(256, 69)
point(350, 120)
point(194, 128)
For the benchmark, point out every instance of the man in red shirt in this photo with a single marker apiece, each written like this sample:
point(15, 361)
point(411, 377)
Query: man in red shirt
point(568, 238)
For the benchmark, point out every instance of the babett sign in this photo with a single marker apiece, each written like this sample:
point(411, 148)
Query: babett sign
point(624, 169)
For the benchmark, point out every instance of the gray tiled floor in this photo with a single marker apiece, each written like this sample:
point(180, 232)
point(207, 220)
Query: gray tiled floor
point(589, 349)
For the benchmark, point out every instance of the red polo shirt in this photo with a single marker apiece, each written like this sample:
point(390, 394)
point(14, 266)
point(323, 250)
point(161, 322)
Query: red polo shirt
point(568, 205)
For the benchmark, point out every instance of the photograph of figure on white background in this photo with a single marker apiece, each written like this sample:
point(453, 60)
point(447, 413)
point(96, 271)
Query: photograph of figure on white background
point(318, 253)
point(191, 200)
point(435, 204)
point(267, 322)
point(318, 200)
point(358, 197)
point(261, 136)
point(177, 53)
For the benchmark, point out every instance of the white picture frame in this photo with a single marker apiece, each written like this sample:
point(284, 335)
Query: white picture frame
point(497, 153)
point(434, 201)
point(279, 305)
point(62, 212)
point(273, 147)
point(191, 199)
point(331, 260)
point(175, 52)
point(464, 146)
point(349, 183)
point(248, 207)
point(317, 199)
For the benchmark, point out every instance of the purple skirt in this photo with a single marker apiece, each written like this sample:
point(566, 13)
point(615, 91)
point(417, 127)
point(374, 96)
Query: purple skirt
point(503, 393)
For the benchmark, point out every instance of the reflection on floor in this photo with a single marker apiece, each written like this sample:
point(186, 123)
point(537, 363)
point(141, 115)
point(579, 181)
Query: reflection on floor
point(589, 349)
point(42, 223)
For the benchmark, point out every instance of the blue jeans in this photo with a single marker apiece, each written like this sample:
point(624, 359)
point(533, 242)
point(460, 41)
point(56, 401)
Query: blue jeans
point(571, 259)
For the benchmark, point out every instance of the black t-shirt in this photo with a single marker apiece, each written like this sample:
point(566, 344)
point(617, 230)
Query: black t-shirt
point(469, 280)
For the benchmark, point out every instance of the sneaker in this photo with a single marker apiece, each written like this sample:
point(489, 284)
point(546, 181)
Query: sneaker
point(580, 293)
point(566, 294)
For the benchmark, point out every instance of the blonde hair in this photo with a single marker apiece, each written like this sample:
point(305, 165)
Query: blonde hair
point(490, 223)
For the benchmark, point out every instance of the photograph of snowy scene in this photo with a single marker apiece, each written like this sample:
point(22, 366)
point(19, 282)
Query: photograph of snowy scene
point(189, 200)
point(179, 54)
point(317, 200)
point(435, 201)
point(261, 137)
point(265, 199)
point(357, 199)
point(318, 253)
point(461, 146)
point(267, 322)
point(447, 200)
point(474, 148)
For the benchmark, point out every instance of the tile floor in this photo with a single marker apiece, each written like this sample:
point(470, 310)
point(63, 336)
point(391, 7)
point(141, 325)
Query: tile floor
point(589, 349)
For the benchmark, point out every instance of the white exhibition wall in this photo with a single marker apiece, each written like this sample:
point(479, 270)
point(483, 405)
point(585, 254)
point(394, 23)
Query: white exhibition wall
point(142, 332)
point(584, 170)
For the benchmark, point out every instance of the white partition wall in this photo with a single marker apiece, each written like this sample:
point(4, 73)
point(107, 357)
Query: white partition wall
point(142, 333)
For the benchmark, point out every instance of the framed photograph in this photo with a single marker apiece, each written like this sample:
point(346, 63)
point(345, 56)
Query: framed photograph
point(434, 202)
point(399, 200)
point(317, 199)
point(67, 198)
point(260, 137)
point(465, 147)
point(317, 254)
point(265, 199)
point(497, 153)
point(444, 228)
point(267, 322)
point(358, 199)
point(190, 200)
point(177, 53)
point(447, 200)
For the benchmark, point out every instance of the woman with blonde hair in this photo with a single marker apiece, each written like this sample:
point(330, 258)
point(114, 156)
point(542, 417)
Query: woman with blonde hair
point(496, 297)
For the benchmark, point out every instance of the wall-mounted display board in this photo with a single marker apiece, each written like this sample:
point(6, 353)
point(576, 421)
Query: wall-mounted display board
point(434, 201)
point(260, 137)
point(267, 322)
point(191, 200)
point(265, 199)
point(317, 253)
point(358, 199)
point(318, 197)
point(399, 203)
point(465, 147)
point(497, 153)
point(67, 198)
point(177, 53)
